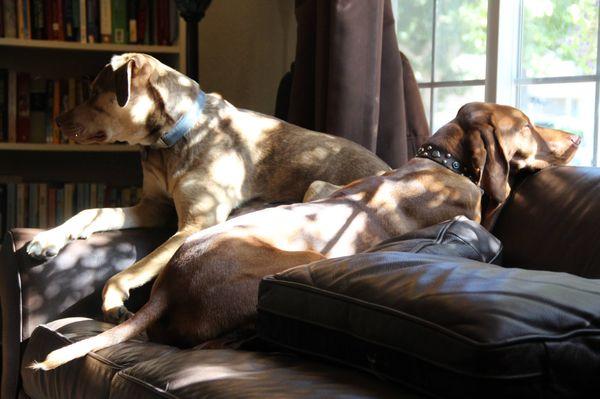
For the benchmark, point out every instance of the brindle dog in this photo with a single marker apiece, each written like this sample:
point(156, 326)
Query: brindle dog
point(228, 157)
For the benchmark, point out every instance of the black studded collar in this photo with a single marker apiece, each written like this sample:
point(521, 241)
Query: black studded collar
point(447, 160)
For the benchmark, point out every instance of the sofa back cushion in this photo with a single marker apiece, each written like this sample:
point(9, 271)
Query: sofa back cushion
point(447, 326)
point(459, 237)
point(552, 222)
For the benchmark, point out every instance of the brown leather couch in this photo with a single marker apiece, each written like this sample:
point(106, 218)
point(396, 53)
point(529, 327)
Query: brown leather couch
point(551, 223)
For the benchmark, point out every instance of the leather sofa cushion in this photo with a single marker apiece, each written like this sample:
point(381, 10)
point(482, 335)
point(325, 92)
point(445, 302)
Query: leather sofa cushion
point(551, 222)
point(142, 369)
point(459, 236)
point(446, 326)
point(87, 377)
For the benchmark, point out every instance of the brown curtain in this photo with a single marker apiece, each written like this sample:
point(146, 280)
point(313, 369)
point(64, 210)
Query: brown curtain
point(351, 80)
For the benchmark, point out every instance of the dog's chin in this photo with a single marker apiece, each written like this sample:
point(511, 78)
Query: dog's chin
point(96, 138)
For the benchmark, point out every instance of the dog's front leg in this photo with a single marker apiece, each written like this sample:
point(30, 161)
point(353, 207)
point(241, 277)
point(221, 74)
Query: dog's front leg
point(116, 290)
point(148, 213)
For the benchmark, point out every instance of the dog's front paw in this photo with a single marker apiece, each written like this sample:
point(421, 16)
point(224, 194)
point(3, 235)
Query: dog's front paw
point(114, 296)
point(47, 244)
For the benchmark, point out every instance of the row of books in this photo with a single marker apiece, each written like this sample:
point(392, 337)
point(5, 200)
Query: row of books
point(91, 21)
point(47, 205)
point(29, 104)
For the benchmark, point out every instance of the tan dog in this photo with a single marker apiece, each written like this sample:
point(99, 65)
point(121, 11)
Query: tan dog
point(210, 286)
point(228, 157)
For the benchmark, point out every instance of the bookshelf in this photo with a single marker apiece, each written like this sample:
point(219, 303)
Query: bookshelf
point(115, 165)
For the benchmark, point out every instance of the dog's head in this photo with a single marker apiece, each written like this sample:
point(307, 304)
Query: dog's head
point(496, 141)
point(135, 98)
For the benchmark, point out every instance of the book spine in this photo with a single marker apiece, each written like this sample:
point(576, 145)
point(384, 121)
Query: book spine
point(43, 206)
point(37, 106)
point(12, 106)
point(27, 18)
point(105, 21)
point(23, 106)
point(51, 206)
point(132, 21)
point(48, 19)
point(92, 14)
point(153, 23)
point(93, 195)
point(68, 201)
point(21, 201)
point(142, 20)
point(119, 21)
point(9, 14)
point(11, 208)
point(101, 195)
point(60, 206)
point(69, 32)
point(174, 22)
point(58, 31)
point(76, 21)
point(2, 210)
point(162, 22)
point(48, 121)
point(55, 111)
point(33, 205)
point(3, 105)
point(20, 20)
point(37, 19)
point(82, 21)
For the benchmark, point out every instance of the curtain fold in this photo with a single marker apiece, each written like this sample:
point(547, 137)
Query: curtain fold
point(351, 80)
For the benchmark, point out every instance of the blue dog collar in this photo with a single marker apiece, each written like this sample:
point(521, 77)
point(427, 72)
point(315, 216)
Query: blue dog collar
point(184, 124)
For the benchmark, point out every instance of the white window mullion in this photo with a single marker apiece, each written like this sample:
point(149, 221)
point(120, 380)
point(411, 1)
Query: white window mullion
point(491, 56)
point(506, 57)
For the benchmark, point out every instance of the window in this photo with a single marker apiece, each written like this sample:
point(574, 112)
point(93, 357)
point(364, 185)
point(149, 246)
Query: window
point(540, 56)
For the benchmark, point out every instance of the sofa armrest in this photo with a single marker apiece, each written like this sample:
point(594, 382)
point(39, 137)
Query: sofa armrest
point(34, 292)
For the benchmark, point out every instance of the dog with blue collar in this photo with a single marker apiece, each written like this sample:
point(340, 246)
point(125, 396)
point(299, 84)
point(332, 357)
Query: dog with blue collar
point(203, 159)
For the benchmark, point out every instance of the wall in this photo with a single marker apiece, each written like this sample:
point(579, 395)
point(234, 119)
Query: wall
point(246, 46)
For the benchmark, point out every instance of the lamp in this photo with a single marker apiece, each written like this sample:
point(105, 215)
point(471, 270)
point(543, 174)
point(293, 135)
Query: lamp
point(192, 11)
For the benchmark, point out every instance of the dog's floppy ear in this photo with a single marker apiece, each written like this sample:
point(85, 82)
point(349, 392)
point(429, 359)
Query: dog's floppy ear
point(123, 82)
point(491, 165)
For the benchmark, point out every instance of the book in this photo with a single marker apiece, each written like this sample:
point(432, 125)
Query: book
point(93, 196)
point(11, 210)
point(2, 210)
point(174, 22)
point(52, 206)
point(56, 137)
point(76, 21)
point(21, 219)
point(33, 206)
point(37, 19)
point(132, 21)
point(69, 191)
point(23, 19)
point(105, 21)
point(119, 21)
point(48, 10)
point(58, 31)
point(43, 206)
point(101, 195)
point(68, 23)
point(162, 22)
point(82, 21)
point(23, 116)
point(12, 106)
point(49, 121)
point(60, 206)
point(9, 15)
point(37, 105)
point(143, 15)
point(3, 105)
point(93, 21)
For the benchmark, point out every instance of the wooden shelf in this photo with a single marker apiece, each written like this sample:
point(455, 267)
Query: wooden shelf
point(68, 147)
point(77, 46)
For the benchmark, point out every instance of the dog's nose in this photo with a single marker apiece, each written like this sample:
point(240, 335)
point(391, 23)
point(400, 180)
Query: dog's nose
point(576, 139)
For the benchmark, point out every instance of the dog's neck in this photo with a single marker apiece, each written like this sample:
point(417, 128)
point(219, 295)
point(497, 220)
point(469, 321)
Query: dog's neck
point(184, 124)
point(445, 158)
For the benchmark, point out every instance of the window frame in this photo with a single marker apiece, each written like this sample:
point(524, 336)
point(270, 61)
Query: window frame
point(503, 63)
